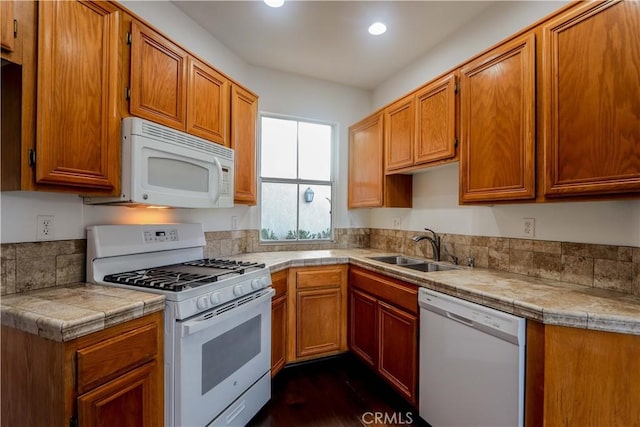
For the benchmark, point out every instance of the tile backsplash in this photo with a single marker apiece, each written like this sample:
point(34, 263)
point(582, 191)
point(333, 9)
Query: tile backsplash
point(38, 265)
point(602, 266)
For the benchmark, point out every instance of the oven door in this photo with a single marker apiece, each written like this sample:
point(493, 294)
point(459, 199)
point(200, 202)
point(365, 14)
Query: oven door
point(219, 355)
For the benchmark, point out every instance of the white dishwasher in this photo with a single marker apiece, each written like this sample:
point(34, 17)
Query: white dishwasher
point(471, 363)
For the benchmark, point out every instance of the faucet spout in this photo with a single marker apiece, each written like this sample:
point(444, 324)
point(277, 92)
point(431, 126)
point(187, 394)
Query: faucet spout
point(435, 242)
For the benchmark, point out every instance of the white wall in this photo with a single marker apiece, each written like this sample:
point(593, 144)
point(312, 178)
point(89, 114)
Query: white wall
point(435, 193)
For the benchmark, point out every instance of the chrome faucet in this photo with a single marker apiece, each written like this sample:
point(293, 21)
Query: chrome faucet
point(435, 242)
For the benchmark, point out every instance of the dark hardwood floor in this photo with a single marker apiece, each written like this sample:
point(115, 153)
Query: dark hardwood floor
point(333, 392)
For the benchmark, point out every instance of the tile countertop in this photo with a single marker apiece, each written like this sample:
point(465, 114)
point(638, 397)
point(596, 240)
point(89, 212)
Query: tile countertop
point(65, 313)
point(68, 312)
point(547, 301)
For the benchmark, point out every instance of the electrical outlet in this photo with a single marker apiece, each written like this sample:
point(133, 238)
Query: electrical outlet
point(396, 222)
point(528, 227)
point(45, 227)
point(234, 222)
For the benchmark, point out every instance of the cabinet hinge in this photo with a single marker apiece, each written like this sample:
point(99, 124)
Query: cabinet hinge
point(455, 142)
point(32, 157)
point(457, 88)
point(73, 422)
point(127, 93)
point(128, 38)
point(15, 28)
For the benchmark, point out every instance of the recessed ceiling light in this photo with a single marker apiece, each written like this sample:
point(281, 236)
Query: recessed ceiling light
point(274, 3)
point(377, 28)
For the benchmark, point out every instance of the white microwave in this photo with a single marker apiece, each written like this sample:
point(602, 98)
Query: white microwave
point(165, 167)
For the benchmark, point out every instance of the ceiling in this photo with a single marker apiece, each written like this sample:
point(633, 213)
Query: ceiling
point(328, 39)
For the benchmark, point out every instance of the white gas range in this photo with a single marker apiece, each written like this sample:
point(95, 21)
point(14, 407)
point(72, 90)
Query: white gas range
point(217, 333)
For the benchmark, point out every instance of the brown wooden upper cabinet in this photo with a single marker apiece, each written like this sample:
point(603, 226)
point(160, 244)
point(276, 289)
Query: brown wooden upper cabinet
point(207, 102)
point(421, 128)
point(497, 155)
point(9, 43)
point(368, 185)
point(170, 87)
point(244, 116)
point(591, 100)
point(77, 127)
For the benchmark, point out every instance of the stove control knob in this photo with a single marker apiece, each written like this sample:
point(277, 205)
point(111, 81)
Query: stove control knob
point(256, 284)
point(264, 281)
point(215, 298)
point(201, 303)
point(237, 290)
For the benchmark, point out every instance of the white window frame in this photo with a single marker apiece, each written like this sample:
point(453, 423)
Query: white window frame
point(300, 182)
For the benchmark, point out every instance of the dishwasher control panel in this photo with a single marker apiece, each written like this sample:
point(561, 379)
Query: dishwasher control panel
point(498, 323)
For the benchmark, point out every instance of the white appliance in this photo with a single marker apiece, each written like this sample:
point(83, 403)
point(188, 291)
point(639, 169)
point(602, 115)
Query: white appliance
point(165, 167)
point(217, 318)
point(471, 363)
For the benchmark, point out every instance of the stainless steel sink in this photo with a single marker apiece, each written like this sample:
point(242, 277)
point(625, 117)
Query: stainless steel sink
point(430, 266)
point(413, 263)
point(397, 260)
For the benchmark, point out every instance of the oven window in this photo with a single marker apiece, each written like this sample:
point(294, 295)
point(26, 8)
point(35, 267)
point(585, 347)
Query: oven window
point(177, 174)
point(225, 354)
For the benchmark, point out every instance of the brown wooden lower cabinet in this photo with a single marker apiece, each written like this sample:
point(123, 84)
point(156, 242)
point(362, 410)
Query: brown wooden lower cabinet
point(114, 375)
point(316, 312)
point(279, 321)
point(580, 377)
point(383, 328)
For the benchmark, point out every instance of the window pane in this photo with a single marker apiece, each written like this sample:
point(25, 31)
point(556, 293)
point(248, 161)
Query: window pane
point(279, 148)
point(315, 216)
point(315, 151)
point(279, 211)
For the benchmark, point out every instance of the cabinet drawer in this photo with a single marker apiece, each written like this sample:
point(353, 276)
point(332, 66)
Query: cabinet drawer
point(108, 359)
point(279, 282)
point(404, 295)
point(321, 277)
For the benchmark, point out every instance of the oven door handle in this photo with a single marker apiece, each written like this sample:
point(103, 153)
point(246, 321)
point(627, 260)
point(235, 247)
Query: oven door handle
point(193, 326)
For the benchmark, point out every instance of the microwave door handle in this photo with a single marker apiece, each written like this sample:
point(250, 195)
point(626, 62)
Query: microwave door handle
point(218, 166)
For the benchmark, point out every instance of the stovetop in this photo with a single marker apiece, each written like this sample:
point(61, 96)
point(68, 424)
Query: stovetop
point(187, 275)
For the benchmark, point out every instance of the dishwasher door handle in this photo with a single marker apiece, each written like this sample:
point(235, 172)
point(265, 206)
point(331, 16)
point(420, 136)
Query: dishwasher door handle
point(460, 319)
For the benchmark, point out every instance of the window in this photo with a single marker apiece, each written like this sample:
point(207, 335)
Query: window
point(295, 179)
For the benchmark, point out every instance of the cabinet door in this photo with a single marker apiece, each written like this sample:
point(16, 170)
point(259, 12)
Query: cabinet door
point(7, 17)
point(436, 121)
point(366, 168)
point(278, 334)
point(208, 103)
point(498, 123)
point(591, 101)
point(399, 128)
point(398, 349)
point(318, 321)
point(368, 185)
point(128, 399)
point(158, 78)
point(244, 116)
point(362, 327)
point(78, 126)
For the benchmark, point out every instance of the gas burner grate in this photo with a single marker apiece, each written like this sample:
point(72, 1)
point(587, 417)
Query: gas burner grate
point(161, 279)
point(226, 264)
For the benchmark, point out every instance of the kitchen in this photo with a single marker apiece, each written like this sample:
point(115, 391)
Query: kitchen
point(435, 200)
